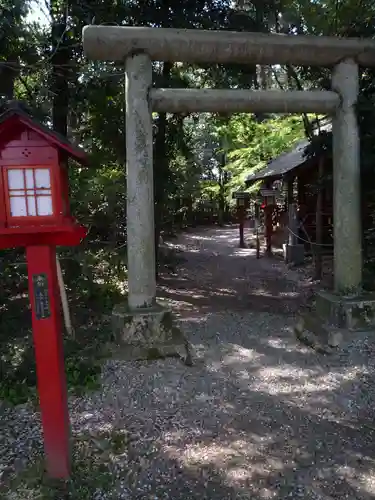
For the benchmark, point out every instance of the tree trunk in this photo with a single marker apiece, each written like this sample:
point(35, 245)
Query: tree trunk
point(221, 197)
point(8, 75)
point(161, 167)
point(319, 222)
point(60, 67)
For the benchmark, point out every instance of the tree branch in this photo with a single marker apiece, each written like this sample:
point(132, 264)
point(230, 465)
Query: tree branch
point(27, 88)
point(305, 119)
point(277, 80)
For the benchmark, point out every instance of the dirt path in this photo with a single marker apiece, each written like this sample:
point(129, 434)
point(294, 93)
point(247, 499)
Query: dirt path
point(257, 417)
point(217, 275)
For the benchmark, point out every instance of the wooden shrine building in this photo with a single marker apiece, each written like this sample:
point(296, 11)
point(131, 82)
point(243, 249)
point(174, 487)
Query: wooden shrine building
point(306, 180)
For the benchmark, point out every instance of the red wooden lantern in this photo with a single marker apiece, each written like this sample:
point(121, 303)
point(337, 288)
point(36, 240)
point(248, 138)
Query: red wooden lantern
point(34, 213)
point(34, 194)
point(269, 197)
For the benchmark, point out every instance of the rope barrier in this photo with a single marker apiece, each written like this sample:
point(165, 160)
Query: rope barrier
point(309, 241)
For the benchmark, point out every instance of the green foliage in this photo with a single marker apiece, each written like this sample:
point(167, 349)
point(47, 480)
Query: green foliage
point(255, 144)
point(90, 303)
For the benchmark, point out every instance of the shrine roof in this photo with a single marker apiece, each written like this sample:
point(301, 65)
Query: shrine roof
point(282, 164)
point(19, 111)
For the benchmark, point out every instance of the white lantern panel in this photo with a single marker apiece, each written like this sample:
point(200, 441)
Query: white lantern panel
point(31, 207)
point(44, 205)
point(43, 191)
point(29, 178)
point(42, 178)
point(16, 179)
point(18, 206)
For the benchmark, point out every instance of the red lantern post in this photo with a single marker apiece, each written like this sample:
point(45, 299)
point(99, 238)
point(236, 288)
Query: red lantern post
point(242, 198)
point(269, 201)
point(34, 213)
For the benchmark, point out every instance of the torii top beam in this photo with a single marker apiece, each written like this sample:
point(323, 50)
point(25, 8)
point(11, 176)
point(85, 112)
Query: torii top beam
point(116, 43)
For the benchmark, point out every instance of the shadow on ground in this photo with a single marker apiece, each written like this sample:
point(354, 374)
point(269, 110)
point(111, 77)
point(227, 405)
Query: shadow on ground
point(218, 275)
point(257, 417)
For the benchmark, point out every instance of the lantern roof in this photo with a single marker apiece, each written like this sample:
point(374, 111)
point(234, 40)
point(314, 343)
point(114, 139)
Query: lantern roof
point(17, 113)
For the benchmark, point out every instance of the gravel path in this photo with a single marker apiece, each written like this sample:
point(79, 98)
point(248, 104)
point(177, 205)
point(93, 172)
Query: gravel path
point(257, 417)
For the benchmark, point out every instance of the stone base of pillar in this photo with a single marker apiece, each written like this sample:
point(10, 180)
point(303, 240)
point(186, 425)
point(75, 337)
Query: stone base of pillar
point(149, 333)
point(294, 254)
point(334, 321)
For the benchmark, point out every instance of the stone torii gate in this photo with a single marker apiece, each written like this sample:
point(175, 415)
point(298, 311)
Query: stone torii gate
point(138, 47)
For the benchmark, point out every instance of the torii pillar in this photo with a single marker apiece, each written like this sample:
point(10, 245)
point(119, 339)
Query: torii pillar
point(346, 182)
point(140, 188)
point(348, 308)
point(142, 327)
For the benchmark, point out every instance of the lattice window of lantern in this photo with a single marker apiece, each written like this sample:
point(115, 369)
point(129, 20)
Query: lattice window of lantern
point(30, 192)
